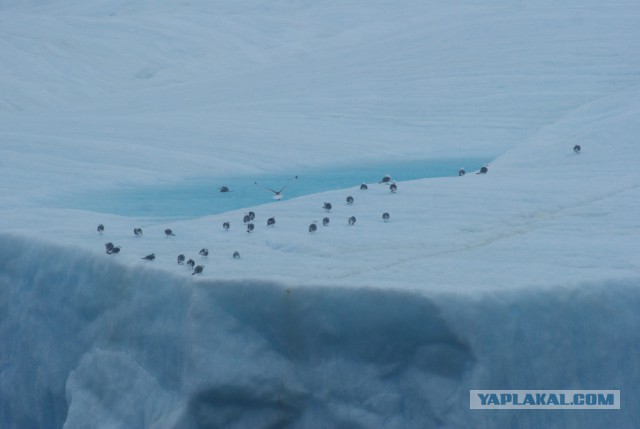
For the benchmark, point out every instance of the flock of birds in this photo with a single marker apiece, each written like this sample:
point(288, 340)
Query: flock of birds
point(249, 217)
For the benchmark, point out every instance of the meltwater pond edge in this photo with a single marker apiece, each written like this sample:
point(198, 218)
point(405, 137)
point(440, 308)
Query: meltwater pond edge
point(197, 197)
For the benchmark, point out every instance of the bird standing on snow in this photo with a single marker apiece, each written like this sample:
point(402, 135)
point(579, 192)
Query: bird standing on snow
point(204, 252)
point(236, 255)
point(364, 187)
point(393, 188)
point(150, 257)
point(349, 200)
point(109, 247)
point(198, 270)
point(385, 217)
point(250, 227)
point(191, 263)
point(115, 250)
point(137, 232)
point(181, 259)
point(246, 219)
point(461, 172)
point(576, 148)
point(100, 228)
point(325, 221)
point(352, 220)
point(271, 221)
point(327, 207)
point(385, 179)
point(226, 226)
point(223, 189)
point(313, 227)
point(169, 233)
point(483, 170)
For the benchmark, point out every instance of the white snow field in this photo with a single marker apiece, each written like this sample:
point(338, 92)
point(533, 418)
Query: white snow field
point(527, 277)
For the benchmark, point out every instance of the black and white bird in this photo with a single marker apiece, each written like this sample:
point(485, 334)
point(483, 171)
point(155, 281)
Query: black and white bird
point(385, 217)
point(226, 226)
point(204, 252)
point(461, 172)
point(236, 255)
point(385, 179)
point(364, 187)
point(252, 215)
point(325, 221)
point(577, 148)
point(483, 170)
point(181, 259)
point(109, 247)
point(349, 200)
point(393, 188)
point(191, 263)
point(246, 219)
point(223, 189)
point(137, 232)
point(198, 270)
point(250, 227)
point(100, 228)
point(150, 257)
point(271, 221)
point(313, 227)
point(169, 233)
point(327, 207)
point(277, 194)
point(352, 220)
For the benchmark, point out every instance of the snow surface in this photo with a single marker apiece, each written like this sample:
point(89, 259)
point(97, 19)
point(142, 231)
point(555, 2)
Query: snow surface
point(524, 278)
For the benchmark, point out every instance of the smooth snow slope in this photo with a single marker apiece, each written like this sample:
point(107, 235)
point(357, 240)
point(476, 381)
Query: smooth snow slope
point(525, 278)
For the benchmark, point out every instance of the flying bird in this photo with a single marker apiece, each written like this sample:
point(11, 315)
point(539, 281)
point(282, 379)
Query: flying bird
point(277, 194)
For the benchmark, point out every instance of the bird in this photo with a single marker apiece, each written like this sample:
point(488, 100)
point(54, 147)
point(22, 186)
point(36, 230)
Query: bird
point(393, 188)
point(385, 179)
point(327, 206)
point(483, 170)
point(109, 247)
point(236, 255)
point(204, 252)
point(352, 220)
point(223, 189)
point(577, 148)
point(312, 227)
point(137, 232)
point(271, 221)
point(115, 250)
point(246, 218)
point(197, 270)
point(349, 200)
point(191, 263)
point(226, 226)
point(364, 187)
point(100, 228)
point(252, 215)
point(278, 194)
point(250, 227)
point(461, 172)
point(169, 233)
point(150, 257)
point(385, 217)
point(181, 259)
point(325, 221)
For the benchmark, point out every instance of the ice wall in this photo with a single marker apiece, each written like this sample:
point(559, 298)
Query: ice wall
point(89, 343)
